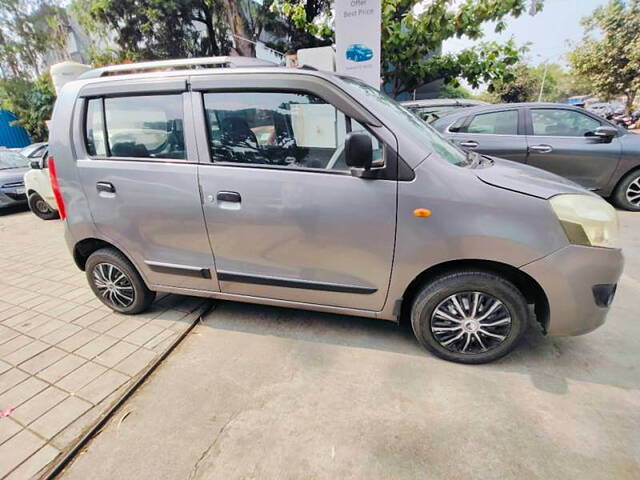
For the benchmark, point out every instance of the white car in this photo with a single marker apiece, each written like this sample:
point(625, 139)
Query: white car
point(38, 188)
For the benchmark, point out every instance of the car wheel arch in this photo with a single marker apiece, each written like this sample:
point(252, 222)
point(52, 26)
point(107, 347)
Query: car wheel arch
point(527, 285)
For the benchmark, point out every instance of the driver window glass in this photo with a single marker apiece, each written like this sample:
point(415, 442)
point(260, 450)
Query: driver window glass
point(145, 126)
point(562, 123)
point(291, 129)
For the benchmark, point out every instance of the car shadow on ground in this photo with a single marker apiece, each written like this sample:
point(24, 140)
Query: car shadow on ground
point(12, 209)
point(551, 363)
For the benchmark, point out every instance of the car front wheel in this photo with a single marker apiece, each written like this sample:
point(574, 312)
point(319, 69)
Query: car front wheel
point(469, 316)
point(627, 193)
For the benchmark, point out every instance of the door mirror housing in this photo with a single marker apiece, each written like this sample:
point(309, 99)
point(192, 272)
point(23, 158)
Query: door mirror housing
point(36, 165)
point(605, 133)
point(358, 151)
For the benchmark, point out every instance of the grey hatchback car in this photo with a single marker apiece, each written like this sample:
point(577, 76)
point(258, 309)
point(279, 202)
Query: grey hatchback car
point(306, 189)
point(562, 139)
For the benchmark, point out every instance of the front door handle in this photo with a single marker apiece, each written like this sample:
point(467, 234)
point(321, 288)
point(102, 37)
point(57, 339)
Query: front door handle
point(469, 144)
point(541, 148)
point(106, 187)
point(225, 196)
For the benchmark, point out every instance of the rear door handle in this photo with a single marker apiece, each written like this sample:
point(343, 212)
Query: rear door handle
point(541, 148)
point(225, 196)
point(469, 144)
point(105, 187)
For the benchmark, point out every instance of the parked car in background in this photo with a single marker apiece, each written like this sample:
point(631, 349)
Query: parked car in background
point(35, 150)
point(602, 109)
point(324, 214)
point(38, 188)
point(562, 139)
point(430, 110)
point(13, 166)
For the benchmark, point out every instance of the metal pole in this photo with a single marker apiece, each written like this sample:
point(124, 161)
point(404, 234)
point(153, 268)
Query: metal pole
point(544, 77)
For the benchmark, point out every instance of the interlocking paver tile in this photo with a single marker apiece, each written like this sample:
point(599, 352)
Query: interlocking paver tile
point(42, 360)
point(34, 464)
point(7, 334)
point(75, 313)
point(116, 354)
point(8, 428)
point(80, 377)
point(60, 334)
point(39, 405)
point(125, 328)
point(77, 340)
point(9, 379)
point(17, 449)
point(10, 312)
point(21, 392)
point(106, 323)
point(90, 318)
point(143, 334)
point(25, 321)
point(60, 416)
point(47, 327)
point(102, 386)
point(4, 366)
point(61, 368)
point(96, 346)
point(136, 362)
point(162, 336)
point(14, 344)
point(25, 353)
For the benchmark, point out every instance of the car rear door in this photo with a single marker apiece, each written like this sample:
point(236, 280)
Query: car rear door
point(137, 162)
point(497, 132)
point(562, 141)
point(286, 218)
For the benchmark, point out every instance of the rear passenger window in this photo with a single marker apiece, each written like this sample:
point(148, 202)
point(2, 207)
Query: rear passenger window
point(95, 128)
point(291, 129)
point(495, 123)
point(147, 126)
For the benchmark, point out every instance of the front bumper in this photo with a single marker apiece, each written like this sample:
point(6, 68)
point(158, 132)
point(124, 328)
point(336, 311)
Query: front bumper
point(11, 197)
point(568, 277)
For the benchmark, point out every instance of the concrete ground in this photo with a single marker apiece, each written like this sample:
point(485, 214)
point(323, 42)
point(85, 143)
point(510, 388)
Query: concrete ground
point(64, 357)
point(267, 393)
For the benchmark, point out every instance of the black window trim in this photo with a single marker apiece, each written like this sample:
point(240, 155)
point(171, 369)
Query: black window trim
point(108, 155)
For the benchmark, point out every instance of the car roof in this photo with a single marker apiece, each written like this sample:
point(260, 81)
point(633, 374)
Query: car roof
point(506, 106)
point(433, 102)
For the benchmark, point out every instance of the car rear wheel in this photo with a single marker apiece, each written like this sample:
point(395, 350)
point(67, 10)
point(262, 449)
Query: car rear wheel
point(627, 193)
point(469, 316)
point(41, 208)
point(116, 282)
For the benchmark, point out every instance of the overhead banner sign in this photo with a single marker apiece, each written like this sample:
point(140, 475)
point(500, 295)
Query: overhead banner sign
point(357, 25)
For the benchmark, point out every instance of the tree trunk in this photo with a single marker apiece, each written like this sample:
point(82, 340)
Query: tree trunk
point(241, 38)
point(631, 96)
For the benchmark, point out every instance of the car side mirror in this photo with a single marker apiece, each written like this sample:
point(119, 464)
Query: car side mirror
point(36, 165)
point(358, 151)
point(605, 133)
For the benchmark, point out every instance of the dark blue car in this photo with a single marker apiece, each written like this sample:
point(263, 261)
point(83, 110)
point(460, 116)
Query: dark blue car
point(358, 53)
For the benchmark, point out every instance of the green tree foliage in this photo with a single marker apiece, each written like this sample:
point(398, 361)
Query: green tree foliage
point(412, 36)
point(31, 101)
point(610, 62)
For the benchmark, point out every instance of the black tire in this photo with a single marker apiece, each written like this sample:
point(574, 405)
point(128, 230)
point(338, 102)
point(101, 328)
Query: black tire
point(98, 267)
point(465, 284)
point(619, 196)
point(40, 208)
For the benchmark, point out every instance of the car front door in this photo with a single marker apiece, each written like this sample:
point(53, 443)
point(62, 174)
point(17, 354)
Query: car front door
point(286, 218)
point(138, 165)
point(498, 133)
point(562, 141)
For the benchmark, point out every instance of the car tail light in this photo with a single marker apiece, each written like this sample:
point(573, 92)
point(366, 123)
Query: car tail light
point(56, 188)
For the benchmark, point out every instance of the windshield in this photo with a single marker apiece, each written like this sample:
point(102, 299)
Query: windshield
point(12, 160)
point(410, 123)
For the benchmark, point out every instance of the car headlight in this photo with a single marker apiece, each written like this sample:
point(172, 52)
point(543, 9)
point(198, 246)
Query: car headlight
point(587, 220)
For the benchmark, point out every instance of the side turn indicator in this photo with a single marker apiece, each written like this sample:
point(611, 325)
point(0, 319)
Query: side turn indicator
point(422, 212)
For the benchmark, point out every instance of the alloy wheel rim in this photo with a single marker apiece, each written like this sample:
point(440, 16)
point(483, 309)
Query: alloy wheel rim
point(113, 285)
point(470, 323)
point(633, 192)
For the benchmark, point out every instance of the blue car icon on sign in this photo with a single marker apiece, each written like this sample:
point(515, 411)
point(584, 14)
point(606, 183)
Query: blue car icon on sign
point(358, 53)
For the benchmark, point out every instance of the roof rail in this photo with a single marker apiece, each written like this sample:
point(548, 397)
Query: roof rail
point(183, 63)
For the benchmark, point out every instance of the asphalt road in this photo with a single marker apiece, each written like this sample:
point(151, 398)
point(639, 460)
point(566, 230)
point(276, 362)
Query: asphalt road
point(267, 393)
